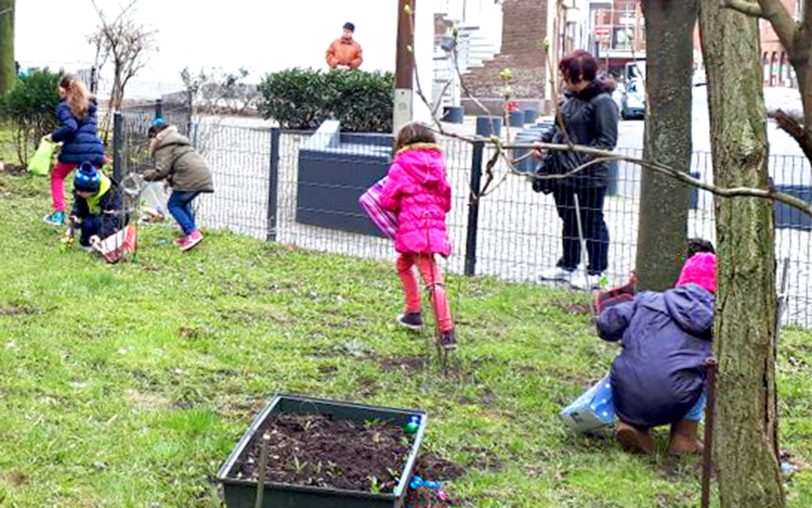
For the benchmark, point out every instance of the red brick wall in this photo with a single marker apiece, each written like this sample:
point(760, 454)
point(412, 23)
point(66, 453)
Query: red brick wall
point(775, 61)
point(524, 28)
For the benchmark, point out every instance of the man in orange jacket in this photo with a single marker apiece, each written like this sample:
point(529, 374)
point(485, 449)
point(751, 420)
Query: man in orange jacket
point(345, 53)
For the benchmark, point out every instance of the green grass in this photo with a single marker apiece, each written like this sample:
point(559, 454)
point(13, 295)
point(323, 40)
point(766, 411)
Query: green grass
point(128, 385)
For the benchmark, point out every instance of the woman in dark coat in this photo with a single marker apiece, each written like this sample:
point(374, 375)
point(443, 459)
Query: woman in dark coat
point(590, 117)
point(659, 377)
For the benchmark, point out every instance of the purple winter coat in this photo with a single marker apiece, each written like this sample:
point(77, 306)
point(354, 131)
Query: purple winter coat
point(416, 190)
point(666, 337)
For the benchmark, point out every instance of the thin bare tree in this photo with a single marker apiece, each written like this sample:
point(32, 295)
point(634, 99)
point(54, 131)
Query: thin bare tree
point(126, 44)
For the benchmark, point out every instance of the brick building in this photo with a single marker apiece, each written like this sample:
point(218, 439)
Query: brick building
point(617, 33)
point(524, 27)
point(774, 58)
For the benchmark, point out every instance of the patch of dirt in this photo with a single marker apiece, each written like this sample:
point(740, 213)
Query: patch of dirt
point(432, 467)
point(315, 450)
point(327, 369)
point(16, 478)
point(182, 405)
point(190, 332)
point(487, 397)
point(483, 459)
point(672, 468)
point(573, 308)
point(18, 310)
point(409, 363)
point(13, 169)
point(145, 401)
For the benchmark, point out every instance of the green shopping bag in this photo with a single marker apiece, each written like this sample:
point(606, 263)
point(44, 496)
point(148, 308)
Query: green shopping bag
point(43, 159)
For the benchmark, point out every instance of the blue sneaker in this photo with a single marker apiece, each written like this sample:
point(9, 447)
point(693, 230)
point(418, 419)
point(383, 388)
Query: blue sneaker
point(55, 219)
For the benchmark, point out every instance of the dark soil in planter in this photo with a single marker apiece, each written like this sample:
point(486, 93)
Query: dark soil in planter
point(314, 450)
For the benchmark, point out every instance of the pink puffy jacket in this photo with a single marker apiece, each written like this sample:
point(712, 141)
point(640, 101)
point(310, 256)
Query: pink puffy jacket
point(417, 191)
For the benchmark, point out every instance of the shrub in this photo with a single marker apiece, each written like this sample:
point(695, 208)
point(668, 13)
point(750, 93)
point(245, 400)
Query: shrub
point(30, 106)
point(304, 98)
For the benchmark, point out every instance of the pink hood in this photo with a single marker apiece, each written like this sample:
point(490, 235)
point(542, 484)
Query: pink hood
point(699, 269)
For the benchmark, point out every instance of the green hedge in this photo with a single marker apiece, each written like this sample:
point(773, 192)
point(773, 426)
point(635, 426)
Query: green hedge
point(30, 107)
point(304, 98)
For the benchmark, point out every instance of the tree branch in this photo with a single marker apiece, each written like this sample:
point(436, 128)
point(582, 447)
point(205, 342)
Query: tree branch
point(794, 128)
point(745, 7)
point(600, 156)
point(781, 20)
point(672, 172)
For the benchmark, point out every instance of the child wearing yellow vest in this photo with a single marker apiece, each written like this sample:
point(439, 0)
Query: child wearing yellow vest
point(97, 205)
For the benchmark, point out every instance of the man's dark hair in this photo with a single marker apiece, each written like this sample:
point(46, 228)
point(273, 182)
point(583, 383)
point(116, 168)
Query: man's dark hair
point(696, 245)
point(349, 26)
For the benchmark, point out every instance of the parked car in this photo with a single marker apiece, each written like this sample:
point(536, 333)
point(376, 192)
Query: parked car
point(633, 101)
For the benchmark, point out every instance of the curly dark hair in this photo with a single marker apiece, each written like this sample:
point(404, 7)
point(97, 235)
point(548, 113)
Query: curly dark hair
point(696, 245)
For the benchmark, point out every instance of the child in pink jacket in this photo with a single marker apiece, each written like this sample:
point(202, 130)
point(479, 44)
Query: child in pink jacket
point(417, 191)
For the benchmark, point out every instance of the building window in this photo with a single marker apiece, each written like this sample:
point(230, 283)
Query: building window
point(774, 63)
point(786, 77)
point(765, 65)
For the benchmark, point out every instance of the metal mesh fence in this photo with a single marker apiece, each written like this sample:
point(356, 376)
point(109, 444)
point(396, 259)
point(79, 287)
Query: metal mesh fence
point(302, 189)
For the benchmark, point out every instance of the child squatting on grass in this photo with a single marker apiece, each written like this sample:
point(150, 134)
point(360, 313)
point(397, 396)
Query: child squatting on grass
point(97, 206)
point(177, 162)
point(659, 377)
point(417, 191)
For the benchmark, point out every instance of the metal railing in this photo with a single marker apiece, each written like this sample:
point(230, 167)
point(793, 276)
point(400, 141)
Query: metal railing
point(301, 189)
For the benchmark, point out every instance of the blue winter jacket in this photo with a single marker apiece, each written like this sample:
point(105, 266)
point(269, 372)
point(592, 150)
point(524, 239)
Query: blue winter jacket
point(666, 337)
point(79, 136)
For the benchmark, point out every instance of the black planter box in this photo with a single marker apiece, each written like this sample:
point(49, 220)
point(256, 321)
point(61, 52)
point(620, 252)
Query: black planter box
point(334, 170)
point(242, 493)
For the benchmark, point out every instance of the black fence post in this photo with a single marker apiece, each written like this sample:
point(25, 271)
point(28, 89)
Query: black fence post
point(473, 209)
point(93, 80)
point(273, 184)
point(118, 145)
point(159, 108)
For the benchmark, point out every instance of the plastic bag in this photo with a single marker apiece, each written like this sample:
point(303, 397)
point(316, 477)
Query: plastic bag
point(43, 159)
point(115, 246)
point(370, 200)
point(593, 410)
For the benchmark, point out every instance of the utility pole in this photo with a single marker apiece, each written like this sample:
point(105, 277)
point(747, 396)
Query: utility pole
point(404, 65)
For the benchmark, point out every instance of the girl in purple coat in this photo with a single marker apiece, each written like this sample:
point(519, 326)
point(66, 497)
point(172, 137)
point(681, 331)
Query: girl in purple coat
point(418, 192)
point(659, 377)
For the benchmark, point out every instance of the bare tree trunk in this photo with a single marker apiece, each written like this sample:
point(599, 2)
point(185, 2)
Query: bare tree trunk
point(746, 433)
point(663, 228)
point(8, 70)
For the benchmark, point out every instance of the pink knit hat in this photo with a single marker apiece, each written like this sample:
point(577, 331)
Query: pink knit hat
point(699, 269)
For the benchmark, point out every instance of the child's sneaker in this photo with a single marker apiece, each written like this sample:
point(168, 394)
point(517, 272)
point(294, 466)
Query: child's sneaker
point(448, 340)
point(192, 239)
point(413, 321)
point(55, 219)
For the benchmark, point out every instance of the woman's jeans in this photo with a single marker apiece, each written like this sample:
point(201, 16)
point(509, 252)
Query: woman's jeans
point(180, 206)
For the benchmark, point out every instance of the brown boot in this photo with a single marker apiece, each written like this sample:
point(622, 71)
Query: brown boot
point(684, 438)
point(633, 439)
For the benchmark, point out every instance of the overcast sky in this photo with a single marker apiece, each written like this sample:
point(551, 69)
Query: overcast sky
point(261, 35)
